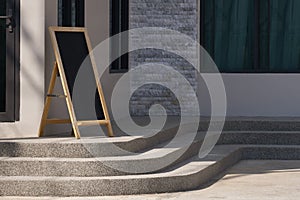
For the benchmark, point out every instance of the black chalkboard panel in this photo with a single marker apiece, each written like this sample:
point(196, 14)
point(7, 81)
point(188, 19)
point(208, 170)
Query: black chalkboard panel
point(73, 51)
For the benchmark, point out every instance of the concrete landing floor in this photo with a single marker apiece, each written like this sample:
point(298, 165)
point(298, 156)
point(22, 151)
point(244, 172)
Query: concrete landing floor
point(248, 180)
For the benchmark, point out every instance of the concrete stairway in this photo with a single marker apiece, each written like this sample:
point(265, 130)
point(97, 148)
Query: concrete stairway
point(94, 167)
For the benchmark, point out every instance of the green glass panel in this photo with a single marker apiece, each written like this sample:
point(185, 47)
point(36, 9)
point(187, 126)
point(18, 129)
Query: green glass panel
point(248, 35)
point(228, 33)
point(264, 35)
point(285, 35)
point(2, 56)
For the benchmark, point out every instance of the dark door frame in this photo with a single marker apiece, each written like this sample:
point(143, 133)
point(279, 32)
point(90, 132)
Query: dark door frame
point(12, 112)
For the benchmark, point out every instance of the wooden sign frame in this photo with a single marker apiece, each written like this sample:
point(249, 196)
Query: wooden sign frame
point(58, 69)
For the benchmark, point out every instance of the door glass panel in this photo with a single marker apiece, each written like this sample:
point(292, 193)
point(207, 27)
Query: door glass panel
point(2, 56)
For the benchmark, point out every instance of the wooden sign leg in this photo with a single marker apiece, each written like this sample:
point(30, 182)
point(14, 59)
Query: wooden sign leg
point(48, 100)
point(73, 117)
point(104, 107)
point(110, 130)
point(69, 103)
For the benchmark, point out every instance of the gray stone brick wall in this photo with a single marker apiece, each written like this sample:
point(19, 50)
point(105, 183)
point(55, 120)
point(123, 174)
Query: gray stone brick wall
point(178, 15)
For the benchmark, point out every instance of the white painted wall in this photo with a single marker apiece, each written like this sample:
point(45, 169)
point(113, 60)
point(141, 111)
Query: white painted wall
point(32, 60)
point(264, 95)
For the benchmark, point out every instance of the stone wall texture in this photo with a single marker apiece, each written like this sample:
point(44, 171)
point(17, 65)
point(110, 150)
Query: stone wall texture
point(178, 15)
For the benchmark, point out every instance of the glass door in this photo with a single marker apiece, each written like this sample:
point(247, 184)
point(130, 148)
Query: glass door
point(8, 55)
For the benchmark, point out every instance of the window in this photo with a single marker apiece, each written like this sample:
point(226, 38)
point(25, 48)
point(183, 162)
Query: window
point(71, 13)
point(119, 22)
point(252, 35)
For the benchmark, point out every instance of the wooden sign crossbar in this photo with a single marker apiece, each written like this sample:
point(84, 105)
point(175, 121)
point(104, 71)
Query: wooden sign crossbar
point(59, 69)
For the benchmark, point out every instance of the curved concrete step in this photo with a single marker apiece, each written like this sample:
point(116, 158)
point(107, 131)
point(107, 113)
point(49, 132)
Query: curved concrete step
point(186, 177)
point(256, 124)
point(147, 162)
point(101, 146)
point(260, 137)
point(87, 147)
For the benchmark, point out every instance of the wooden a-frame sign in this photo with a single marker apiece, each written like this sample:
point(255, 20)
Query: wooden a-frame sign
point(71, 34)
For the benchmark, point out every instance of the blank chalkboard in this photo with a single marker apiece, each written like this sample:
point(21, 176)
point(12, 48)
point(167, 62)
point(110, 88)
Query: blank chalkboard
point(73, 55)
point(73, 51)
